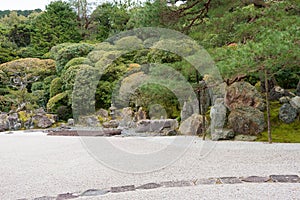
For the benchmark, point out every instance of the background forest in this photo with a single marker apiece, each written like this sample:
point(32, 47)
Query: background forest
point(41, 51)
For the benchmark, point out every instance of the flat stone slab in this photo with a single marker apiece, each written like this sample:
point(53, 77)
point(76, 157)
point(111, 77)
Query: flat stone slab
point(177, 183)
point(149, 186)
point(285, 178)
point(209, 181)
point(230, 180)
point(122, 188)
point(66, 196)
point(94, 192)
point(255, 179)
point(100, 132)
point(45, 198)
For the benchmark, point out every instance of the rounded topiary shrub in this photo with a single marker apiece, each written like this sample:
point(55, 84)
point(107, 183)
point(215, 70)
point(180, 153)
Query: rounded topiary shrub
point(55, 87)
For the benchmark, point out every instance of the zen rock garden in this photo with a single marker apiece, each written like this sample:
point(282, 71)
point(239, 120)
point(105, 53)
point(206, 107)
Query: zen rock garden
point(237, 112)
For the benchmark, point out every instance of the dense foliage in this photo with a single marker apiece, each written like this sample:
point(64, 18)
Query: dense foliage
point(242, 38)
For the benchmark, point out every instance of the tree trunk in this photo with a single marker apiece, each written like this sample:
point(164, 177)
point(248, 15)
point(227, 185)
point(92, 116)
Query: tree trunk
point(268, 107)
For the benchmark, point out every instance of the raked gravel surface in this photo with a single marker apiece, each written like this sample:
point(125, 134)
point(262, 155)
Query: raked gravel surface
point(35, 165)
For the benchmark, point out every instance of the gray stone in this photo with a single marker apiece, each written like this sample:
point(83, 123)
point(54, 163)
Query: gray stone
point(298, 89)
point(241, 94)
point(45, 198)
point(209, 181)
point(277, 92)
point(156, 126)
point(284, 99)
point(111, 124)
point(126, 118)
point(13, 119)
point(287, 113)
point(222, 134)
point(218, 114)
point(122, 188)
point(177, 183)
point(247, 120)
point(140, 114)
point(4, 123)
point(71, 122)
point(249, 138)
point(94, 192)
point(66, 196)
point(17, 126)
point(39, 111)
point(149, 186)
point(192, 125)
point(285, 178)
point(42, 121)
point(91, 121)
point(256, 179)
point(230, 180)
point(157, 111)
point(187, 111)
point(295, 102)
point(102, 113)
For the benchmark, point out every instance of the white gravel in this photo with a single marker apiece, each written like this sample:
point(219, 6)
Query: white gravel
point(34, 165)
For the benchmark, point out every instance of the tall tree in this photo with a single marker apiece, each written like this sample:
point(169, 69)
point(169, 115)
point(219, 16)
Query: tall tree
point(58, 24)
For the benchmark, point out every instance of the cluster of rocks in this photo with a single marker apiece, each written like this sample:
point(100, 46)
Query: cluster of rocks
point(237, 109)
point(26, 120)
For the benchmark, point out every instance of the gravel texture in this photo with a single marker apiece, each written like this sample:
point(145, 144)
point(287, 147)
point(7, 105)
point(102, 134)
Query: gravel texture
point(35, 165)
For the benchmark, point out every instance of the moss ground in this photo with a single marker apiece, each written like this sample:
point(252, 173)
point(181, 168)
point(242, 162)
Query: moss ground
point(281, 132)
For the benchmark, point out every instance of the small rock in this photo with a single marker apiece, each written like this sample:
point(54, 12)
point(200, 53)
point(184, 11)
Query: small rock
point(230, 180)
point(256, 179)
point(45, 198)
point(122, 188)
point(94, 192)
point(285, 178)
point(66, 196)
point(295, 102)
point(110, 124)
point(287, 113)
point(284, 99)
point(245, 138)
point(222, 134)
point(149, 186)
point(71, 122)
point(277, 92)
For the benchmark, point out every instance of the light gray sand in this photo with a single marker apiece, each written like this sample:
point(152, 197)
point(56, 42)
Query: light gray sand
point(34, 165)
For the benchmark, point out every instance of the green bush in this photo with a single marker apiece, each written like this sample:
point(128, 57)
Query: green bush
point(55, 87)
point(37, 86)
point(68, 53)
point(58, 100)
point(77, 61)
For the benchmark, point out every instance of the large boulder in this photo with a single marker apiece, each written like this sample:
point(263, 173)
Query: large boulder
point(241, 94)
point(14, 122)
point(4, 123)
point(91, 121)
point(287, 113)
point(156, 126)
point(126, 118)
point(295, 102)
point(246, 120)
point(192, 125)
point(140, 114)
point(42, 121)
point(218, 114)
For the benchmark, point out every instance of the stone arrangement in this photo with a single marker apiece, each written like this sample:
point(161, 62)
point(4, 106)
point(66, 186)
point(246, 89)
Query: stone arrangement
point(173, 184)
